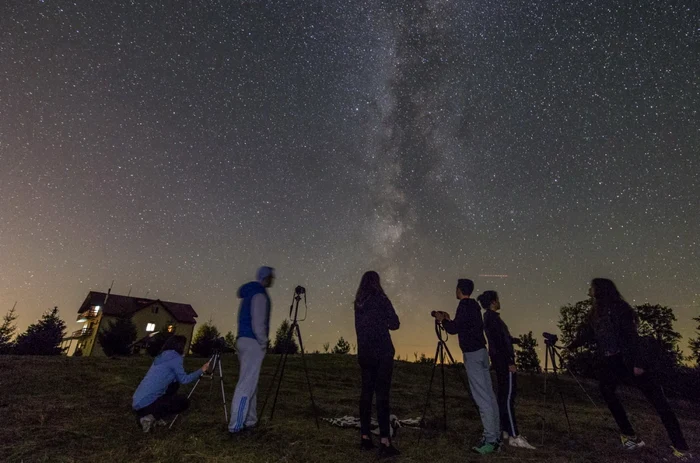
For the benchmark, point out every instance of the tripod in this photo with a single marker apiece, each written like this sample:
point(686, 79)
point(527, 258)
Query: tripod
point(293, 329)
point(552, 353)
point(440, 352)
point(214, 362)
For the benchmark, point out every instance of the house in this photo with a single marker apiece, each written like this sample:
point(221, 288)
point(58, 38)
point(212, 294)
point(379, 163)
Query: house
point(150, 316)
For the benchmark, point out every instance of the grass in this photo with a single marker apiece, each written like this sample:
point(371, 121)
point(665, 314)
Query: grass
point(72, 409)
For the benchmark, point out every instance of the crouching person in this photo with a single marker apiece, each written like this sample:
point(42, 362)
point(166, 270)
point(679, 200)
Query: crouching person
point(156, 397)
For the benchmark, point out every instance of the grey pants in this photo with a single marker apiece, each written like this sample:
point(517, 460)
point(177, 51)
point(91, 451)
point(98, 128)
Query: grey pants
point(243, 406)
point(477, 365)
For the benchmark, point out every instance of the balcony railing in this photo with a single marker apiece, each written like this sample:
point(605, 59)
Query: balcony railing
point(81, 333)
point(88, 314)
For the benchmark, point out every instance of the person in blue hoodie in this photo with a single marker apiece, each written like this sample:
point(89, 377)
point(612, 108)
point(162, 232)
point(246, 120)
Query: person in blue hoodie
point(251, 345)
point(156, 397)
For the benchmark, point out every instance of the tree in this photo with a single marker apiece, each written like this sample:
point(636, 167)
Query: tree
point(43, 337)
point(230, 341)
point(326, 347)
point(695, 344)
point(342, 347)
point(571, 319)
point(205, 340)
point(527, 359)
point(291, 347)
point(7, 331)
point(118, 337)
point(656, 322)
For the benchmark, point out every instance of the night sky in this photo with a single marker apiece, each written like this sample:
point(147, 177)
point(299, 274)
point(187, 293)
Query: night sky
point(175, 147)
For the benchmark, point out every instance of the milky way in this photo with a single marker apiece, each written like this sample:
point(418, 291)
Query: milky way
point(174, 149)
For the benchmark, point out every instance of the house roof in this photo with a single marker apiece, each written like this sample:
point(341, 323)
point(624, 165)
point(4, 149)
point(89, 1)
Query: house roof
point(126, 305)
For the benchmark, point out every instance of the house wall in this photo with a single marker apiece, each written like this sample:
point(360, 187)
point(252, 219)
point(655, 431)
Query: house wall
point(88, 343)
point(160, 317)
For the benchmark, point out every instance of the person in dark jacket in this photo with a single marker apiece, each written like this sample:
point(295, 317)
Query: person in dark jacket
point(502, 357)
point(374, 317)
point(469, 328)
point(612, 325)
point(155, 397)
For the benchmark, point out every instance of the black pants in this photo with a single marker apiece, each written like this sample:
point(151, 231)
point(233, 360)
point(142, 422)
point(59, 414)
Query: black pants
point(376, 378)
point(613, 371)
point(507, 385)
point(166, 405)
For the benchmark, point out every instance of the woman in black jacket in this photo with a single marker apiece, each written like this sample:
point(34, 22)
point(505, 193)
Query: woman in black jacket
point(612, 325)
point(374, 317)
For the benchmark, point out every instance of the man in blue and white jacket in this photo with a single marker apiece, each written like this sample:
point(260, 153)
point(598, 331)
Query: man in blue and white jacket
point(253, 335)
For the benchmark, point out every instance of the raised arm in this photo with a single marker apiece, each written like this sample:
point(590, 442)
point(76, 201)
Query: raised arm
point(182, 376)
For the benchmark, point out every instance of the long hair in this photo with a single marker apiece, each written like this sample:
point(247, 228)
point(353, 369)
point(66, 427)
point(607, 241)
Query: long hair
point(486, 298)
point(176, 343)
point(606, 295)
point(369, 286)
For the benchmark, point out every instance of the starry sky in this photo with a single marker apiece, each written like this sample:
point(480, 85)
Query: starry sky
point(175, 147)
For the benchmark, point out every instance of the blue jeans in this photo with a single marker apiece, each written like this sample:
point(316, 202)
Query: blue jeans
point(477, 365)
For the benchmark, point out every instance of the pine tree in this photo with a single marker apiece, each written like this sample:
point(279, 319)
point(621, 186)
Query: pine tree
point(527, 359)
point(7, 331)
point(280, 339)
point(230, 340)
point(117, 338)
point(43, 337)
point(342, 347)
point(205, 340)
point(695, 345)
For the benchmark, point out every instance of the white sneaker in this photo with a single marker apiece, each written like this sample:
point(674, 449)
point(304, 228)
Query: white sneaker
point(521, 442)
point(146, 422)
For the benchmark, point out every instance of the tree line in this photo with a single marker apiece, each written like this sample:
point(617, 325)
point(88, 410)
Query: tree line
point(658, 338)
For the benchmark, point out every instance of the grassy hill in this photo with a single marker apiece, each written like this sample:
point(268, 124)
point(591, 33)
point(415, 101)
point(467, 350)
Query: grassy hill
point(65, 409)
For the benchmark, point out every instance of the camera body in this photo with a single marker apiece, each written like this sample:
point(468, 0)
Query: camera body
point(299, 290)
point(550, 339)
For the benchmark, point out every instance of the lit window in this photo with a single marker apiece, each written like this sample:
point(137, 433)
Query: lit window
point(150, 327)
point(171, 328)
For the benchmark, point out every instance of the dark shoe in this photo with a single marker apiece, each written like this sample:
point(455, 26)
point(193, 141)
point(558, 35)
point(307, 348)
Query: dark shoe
point(366, 444)
point(388, 451)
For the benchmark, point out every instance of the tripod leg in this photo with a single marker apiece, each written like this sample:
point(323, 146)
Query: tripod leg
point(427, 397)
point(284, 364)
point(561, 362)
point(544, 394)
point(223, 395)
point(444, 395)
point(272, 384)
point(561, 397)
point(188, 396)
point(280, 367)
point(464, 380)
point(308, 380)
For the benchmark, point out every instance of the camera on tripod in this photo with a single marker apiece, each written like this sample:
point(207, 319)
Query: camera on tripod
point(550, 339)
